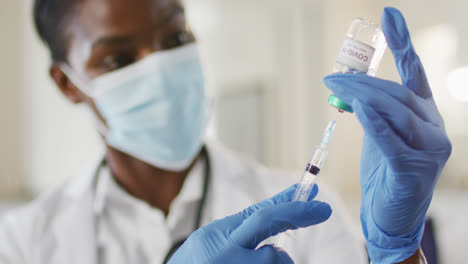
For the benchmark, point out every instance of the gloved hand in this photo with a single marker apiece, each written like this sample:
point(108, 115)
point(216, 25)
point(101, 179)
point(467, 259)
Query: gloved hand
point(233, 239)
point(404, 151)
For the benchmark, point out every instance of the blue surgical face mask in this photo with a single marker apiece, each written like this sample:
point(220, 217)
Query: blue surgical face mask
point(156, 109)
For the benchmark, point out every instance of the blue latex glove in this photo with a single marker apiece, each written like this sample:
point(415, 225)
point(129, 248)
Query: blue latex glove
point(404, 151)
point(233, 239)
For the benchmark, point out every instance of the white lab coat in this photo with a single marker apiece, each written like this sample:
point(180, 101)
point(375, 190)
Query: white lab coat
point(61, 226)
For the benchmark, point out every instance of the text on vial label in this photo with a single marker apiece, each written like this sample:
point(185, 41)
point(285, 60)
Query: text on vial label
point(356, 55)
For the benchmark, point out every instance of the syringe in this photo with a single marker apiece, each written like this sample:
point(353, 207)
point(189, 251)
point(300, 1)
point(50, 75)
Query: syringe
point(307, 182)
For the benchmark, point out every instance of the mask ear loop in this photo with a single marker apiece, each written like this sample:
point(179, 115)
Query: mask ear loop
point(83, 86)
point(100, 126)
point(75, 79)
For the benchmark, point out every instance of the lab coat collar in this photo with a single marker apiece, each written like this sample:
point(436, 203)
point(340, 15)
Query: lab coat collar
point(87, 184)
point(92, 191)
point(66, 231)
point(88, 177)
point(108, 191)
point(86, 180)
point(78, 200)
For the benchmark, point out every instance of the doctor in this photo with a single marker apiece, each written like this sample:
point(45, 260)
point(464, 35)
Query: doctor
point(136, 64)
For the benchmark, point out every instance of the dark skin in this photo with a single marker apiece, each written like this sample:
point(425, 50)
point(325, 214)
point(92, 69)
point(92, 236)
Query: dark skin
point(105, 35)
point(416, 258)
point(111, 34)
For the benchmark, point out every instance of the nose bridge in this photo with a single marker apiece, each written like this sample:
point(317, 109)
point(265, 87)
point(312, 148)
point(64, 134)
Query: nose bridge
point(149, 46)
point(143, 52)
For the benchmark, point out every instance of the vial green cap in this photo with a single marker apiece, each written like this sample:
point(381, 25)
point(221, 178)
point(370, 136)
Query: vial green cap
point(336, 102)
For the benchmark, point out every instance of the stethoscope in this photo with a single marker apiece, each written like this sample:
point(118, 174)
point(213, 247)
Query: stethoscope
point(178, 244)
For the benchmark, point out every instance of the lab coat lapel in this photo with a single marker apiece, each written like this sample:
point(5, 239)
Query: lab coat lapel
point(75, 228)
point(75, 234)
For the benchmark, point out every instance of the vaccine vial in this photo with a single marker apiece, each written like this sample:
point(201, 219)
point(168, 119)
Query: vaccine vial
point(362, 50)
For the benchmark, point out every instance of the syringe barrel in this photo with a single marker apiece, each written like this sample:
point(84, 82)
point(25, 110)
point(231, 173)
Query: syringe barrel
point(304, 188)
point(319, 155)
point(307, 182)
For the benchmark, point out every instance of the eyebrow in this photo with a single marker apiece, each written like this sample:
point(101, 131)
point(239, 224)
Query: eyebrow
point(118, 40)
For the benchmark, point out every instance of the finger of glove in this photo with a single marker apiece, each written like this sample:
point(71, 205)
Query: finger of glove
point(267, 254)
point(424, 108)
point(407, 61)
point(283, 197)
point(270, 254)
point(417, 132)
point(272, 220)
point(379, 131)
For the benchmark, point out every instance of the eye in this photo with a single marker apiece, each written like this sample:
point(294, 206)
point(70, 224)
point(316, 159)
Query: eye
point(179, 39)
point(114, 62)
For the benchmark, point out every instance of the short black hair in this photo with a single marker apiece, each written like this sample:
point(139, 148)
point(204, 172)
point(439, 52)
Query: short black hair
point(50, 19)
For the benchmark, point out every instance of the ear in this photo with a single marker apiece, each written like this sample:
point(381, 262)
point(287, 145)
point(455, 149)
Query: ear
point(66, 86)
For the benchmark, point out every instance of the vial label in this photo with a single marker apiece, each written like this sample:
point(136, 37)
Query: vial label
point(356, 55)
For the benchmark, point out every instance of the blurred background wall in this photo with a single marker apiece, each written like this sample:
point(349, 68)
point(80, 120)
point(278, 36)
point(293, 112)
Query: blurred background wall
point(264, 60)
point(10, 153)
